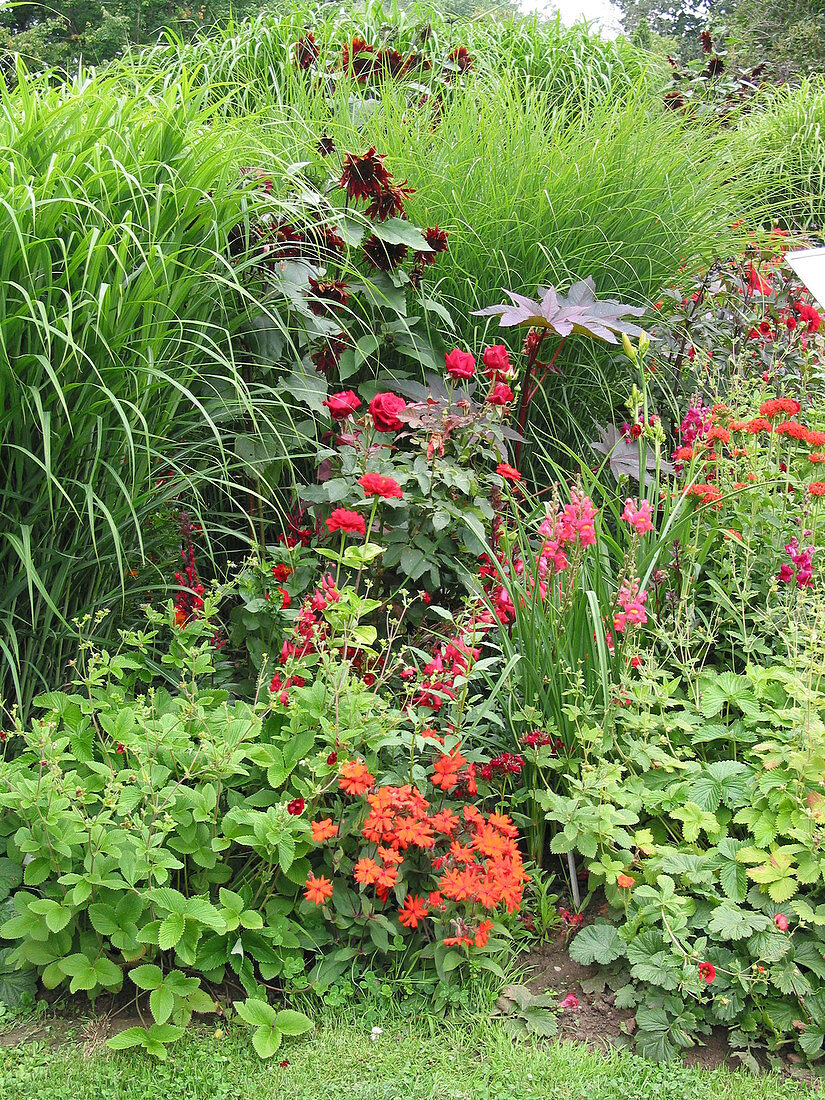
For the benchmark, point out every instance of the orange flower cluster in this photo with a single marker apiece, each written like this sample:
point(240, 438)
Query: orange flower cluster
point(776, 405)
point(791, 428)
point(354, 778)
point(474, 859)
point(707, 494)
point(448, 772)
point(318, 890)
point(465, 935)
point(323, 830)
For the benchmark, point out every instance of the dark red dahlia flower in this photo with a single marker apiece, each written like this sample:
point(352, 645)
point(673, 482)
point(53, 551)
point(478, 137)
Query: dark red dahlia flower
point(389, 63)
point(327, 354)
point(306, 51)
point(437, 240)
point(284, 241)
point(326, 145)
point(461, 59)
point(358, 59)
point(329, 295)
point(390, 203)
point(382, 255)
point(325, 239)
point(365, 177)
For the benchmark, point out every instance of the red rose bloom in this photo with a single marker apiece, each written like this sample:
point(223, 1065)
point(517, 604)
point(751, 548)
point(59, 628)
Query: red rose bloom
point(384, 410)
point(295, 807)
point(509, 473)
point(342, 405)
point(500, 394)
point(460, 364)
point(342, 519)
point(497, 365)
point(377, 485)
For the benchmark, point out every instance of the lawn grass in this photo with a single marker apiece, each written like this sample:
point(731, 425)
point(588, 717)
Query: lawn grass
point(339, 1060)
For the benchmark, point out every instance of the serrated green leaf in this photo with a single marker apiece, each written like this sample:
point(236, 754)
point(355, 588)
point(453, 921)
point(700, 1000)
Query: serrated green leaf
point(730, 922)
point(131, 1037)
point(255, 1012)
point(599, 943)
point(170, 931)
point(147, 976)
point(11, 875)
point(162, 1004)
point(266, 1040)
point(293, 1023)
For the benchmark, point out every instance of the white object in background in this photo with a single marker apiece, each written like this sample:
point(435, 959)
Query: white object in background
point(809, 264)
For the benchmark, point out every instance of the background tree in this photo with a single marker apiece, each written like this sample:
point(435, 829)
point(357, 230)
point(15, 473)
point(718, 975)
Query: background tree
point(678, 22)
point(63, 33)
point(789, 36)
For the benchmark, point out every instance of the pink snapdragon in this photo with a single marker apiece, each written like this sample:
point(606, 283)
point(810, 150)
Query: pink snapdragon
point(802, 568)
point(575, 524)
point(632, 603)
point(695, 423)
point(577, 521)
point(638, 518)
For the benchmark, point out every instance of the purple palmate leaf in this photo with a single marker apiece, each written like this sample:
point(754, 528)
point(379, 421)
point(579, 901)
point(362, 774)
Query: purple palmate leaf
point(579, 312)
point(623, 455)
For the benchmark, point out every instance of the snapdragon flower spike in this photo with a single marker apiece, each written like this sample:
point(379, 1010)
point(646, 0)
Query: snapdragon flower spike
point(639, 517)
point(189, 601)
point(450, 660)
point(802, 569)
point(632, 603)
point(695, 423)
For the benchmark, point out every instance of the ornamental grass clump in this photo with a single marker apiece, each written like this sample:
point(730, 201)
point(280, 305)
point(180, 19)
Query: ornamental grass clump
point(121, 389)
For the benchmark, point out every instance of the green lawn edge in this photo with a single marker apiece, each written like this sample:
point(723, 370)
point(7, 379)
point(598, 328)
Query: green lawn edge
point(425, 1060)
